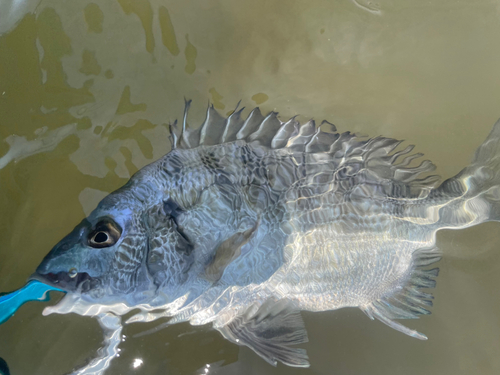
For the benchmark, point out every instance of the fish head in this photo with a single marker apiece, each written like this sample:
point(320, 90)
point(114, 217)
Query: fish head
point(141, 238)
point(87, 260)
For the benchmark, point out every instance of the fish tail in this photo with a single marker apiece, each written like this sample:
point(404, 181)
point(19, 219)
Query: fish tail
point(473, 195)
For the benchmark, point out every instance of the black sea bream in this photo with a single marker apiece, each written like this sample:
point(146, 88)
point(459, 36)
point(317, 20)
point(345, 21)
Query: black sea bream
point(246, 222)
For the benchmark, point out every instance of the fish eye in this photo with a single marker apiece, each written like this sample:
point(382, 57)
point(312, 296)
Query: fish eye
point(105, 234)
point(101, 237)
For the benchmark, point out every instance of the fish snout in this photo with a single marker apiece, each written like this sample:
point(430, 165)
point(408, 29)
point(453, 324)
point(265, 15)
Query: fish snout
point(62, 266)
point(70, 281)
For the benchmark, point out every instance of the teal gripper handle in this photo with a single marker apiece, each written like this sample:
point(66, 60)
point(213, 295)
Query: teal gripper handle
point(33, 291)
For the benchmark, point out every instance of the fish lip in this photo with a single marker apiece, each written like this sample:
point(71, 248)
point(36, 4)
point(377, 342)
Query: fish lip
point(62, 280)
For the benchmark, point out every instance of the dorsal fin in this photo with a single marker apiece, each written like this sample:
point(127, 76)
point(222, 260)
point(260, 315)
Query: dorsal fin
point(213, 128)
point(306, 131)
point(174, 138)
point(234, 124)
point(190, 137)
point(287, 130)
point(251, 124)
point(328, 127)
point(344, 151)
point(266, 131)
point(320, 141)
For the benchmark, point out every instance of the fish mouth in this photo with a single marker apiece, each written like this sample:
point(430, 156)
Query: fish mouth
point(80, 281)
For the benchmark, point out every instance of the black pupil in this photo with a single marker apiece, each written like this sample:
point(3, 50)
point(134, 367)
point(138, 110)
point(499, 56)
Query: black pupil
point(101, 237)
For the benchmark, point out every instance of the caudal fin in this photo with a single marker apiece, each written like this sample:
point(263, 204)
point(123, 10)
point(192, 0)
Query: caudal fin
point(485, 172)
point(474, 194)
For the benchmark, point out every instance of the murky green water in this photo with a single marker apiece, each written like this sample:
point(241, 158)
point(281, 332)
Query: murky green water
point(87, 88)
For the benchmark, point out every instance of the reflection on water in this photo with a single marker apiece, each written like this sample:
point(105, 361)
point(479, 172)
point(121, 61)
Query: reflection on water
point(143, 10)
point(86, 89)
point(167, 31)
point(93, 18)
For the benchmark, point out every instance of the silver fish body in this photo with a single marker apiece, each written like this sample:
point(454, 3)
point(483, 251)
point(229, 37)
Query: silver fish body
point(246, 222)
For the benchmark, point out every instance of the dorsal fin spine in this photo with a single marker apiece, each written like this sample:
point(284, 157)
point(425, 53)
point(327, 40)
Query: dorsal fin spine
point(185, 134)
point(174, 140)
point(285, 132)
point(253, 120)
point(231, 129)
point(308, 128)
point(204, 126)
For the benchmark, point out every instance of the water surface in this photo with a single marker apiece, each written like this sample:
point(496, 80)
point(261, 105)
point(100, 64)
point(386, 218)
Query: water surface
point(86, 89)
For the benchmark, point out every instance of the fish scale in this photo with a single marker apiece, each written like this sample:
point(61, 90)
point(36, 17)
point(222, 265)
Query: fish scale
point(350, 265)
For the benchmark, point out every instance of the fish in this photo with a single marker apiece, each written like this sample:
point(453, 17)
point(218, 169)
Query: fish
point(250, 220)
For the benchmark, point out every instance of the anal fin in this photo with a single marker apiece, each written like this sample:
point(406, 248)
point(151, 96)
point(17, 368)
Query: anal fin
point(410, 301)
point(270, 332)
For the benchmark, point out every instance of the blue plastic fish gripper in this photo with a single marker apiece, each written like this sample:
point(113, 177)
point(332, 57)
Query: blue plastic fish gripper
point(33, 291)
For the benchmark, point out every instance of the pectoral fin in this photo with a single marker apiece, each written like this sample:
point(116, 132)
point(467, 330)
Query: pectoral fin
point(270, 332)
point(227, 251)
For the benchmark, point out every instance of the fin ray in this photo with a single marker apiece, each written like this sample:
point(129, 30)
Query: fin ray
point(213, 128)
point(408, 302)
point(269, 332)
